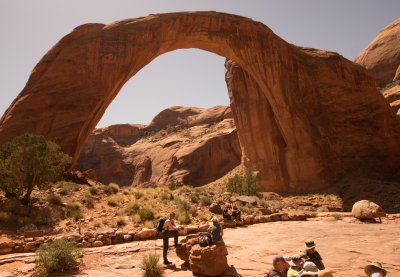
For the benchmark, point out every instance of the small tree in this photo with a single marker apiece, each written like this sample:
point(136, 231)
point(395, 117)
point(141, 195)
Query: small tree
point(30, 161)
point(245, 184)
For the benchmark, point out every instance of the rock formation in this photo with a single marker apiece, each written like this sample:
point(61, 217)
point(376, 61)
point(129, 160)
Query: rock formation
point(189, 145)
point(382, 56)
point(365, 209)
point(392, 95)
point(325, 117)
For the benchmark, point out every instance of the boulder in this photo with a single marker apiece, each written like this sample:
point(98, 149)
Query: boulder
point(244, 199)
point(215, 208)
point(209, 260)
point(365, 209)
point(146, 233)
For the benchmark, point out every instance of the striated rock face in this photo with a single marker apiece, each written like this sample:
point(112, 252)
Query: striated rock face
point(382, 56)
point(325, 117)
point(392, 95)
point(190, 145)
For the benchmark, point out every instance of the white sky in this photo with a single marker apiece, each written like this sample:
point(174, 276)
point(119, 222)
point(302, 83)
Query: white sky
point(185, 77)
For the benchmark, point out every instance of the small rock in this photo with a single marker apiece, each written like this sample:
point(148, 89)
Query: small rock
point(127, 238)
point(97, 243)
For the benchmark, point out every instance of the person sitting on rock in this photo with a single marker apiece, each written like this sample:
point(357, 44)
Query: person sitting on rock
point(313, 255)
point(236, 214)
point(215, 231)
point(296, 264)
point(169, 230)
point(375, 269)
point(280, 267)
point(226, 214)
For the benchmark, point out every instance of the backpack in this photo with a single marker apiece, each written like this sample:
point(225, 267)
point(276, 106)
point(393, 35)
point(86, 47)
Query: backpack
point(160, 224)
point(205, 240)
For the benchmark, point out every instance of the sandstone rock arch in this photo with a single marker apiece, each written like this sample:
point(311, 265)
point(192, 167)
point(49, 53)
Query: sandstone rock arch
point(305, 117)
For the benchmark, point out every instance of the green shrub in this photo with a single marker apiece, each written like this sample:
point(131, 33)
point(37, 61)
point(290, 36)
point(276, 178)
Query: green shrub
point(74, 211)
point(120, 221)
point(245, 184)
point(138, 194)
point(165, 196)
point(205, 200)
point(146, 214)
point(183, 217)
point(182, 205)
point(114, 200)
point(54, 199)
point(93, 190)
point(89, 201)
point(59, 256)
point(67, 188)
point(173, 184)
point(30, 161)
point(194, 198)
point(151, 266)
point(131, 208)
point(337, 216)
point(114, 187)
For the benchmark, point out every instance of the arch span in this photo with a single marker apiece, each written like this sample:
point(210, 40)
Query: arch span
point(303, 115)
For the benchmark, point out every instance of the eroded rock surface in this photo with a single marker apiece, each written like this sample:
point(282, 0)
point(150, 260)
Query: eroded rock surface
point(319, 114)
point(185, 144)
point(382, 56)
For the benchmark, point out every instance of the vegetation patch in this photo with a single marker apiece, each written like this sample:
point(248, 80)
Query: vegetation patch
point(151, 266)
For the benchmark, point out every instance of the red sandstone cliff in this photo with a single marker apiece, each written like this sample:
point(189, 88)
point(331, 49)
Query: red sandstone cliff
point(382, 56)
point(190, 145)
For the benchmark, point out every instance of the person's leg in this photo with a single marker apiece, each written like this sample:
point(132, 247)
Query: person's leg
point(176, 235)
point(165, 248)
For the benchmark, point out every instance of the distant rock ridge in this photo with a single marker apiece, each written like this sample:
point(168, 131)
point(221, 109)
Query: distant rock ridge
point(382, 56)
point(186, 144)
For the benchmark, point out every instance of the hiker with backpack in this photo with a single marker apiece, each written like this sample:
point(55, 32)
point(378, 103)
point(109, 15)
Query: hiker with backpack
point(166, 229)
point(215, 231)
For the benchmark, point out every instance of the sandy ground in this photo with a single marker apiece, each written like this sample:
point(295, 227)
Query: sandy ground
point(345, 247)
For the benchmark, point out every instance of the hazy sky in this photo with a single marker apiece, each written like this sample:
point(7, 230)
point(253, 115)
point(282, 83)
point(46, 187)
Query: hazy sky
point(184, 77)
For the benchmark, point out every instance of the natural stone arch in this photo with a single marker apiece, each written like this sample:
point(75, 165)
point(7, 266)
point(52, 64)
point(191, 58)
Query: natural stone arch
point(301, 91)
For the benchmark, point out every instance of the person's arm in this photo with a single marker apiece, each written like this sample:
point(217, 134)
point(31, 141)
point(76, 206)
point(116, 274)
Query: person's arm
point(168, 225)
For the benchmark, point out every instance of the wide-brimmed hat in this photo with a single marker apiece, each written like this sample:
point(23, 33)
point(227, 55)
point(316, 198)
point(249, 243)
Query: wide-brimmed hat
point(309, 268)
point(310, 244)
point(296, 260)
point(373, 266)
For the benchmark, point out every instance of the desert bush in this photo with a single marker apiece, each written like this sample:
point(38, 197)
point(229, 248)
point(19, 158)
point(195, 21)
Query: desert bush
point(54, 199)
point(138, 194)
point(120, 221)
point(337, 216)
point(194, 198)
point(243, 184)
point(165, 196)
point(151, 266)
point(30, 161)
point(146, 214)
point(114, 187)
point(93, 190)
point(58, 256)
point(67, 187)
point(74, 210)
point(131, 208)
point(88, 200)
point(182, 204)
point(174, 184)
point(205, 200)
point(183, 217)
point(114, 200)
